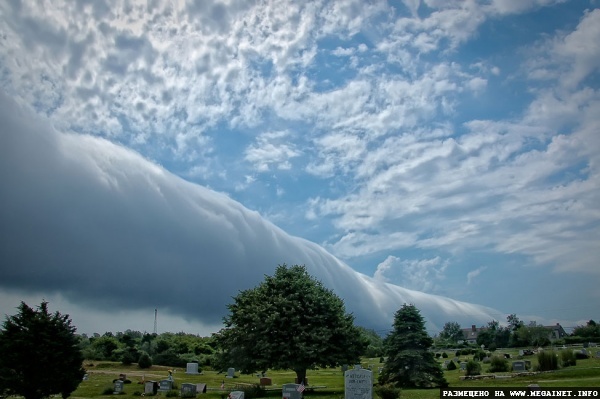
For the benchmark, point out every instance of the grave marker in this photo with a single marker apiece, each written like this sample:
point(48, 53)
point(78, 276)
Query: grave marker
point(165, 385)
point(519, 365)
point(358, 383)
point(188, 390)
point(236, 395)
point(230, 372)
point(118, 387)
point(290, 391)
point(192, 368)
point(150, 388)
point(201, 388)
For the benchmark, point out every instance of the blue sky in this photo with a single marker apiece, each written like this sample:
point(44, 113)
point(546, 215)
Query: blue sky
point(444, 147)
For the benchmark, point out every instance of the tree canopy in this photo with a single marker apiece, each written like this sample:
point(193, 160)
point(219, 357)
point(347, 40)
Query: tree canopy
point(289, 321)
point(40, 355)
point(410, 363)
point(452, 332)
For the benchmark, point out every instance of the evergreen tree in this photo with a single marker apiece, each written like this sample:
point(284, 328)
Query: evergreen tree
point(410, 363)
point(40, 354)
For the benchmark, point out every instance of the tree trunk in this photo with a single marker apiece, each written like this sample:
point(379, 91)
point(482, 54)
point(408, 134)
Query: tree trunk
point(301, 376)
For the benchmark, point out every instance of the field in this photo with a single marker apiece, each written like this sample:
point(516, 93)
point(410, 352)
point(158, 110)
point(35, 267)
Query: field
point(330, 382)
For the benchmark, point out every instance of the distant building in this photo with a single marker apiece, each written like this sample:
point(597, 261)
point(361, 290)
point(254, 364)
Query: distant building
point(470, 334)
point(556, 332)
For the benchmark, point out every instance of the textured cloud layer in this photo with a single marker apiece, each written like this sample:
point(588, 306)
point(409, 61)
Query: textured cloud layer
point(107, 228)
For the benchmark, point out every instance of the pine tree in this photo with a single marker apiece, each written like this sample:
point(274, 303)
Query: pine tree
point(409, 362)
point(40, 354)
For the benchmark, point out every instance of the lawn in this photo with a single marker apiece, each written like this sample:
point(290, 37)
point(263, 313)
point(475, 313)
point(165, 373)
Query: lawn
point(330, 381)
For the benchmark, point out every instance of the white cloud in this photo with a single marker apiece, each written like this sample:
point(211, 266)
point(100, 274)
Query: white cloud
point(271, 149)
point(423, 274)
point(474, 273)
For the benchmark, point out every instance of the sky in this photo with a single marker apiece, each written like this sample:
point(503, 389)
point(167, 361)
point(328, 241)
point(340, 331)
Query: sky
point(168, 154)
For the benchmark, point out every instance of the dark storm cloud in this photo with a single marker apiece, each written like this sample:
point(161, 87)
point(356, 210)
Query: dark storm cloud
point(104, 227)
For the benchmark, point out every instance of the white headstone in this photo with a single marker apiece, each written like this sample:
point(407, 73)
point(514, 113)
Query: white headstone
point(236, 395)
point(230, 372)
point(358, 384)
point(192, 368)
point(149, 388)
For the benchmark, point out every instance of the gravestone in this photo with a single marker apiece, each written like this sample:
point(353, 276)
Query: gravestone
point(165, 385)
point(290, 391)
point(201, 388)
point(456, 360)
point(230, 372)
point(150, 388)
point(518, 366)
point(463, 365)
point(344, 368)
point(188, 390)
point(598, 354)
point(192, 368)
point(236, 395)
point(445, 364)
point(264, 381)
point(358, 384)
point(85, 377)
point(521, 352)
point(118, 387)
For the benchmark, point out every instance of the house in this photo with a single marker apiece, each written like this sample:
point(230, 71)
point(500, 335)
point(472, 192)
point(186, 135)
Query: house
point(555, 332)
point(470, 334)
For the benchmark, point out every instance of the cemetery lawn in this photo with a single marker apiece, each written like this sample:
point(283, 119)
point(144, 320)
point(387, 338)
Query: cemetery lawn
point(328, 383)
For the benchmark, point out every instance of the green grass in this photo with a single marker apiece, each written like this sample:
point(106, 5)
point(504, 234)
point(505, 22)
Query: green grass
point(585, 374)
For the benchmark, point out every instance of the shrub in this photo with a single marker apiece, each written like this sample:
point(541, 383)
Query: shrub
point(387, 391)
point(451, 366)
point(437, 355)
point(580, 355)
point(172, 394)
point(473, 368)
point(567, 358)
point(144, 362)
point(499, 364)
point(444, 355)
point(547, 360)
point(254, 391)
point(479, 355)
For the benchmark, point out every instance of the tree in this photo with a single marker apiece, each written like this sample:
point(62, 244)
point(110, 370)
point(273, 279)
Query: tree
point(410, 363)
point(289, 321)
point(40, 354)
point(452, 332)
point(513, 322)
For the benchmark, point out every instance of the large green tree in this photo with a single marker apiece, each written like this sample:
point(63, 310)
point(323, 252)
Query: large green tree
point(409, 362)
point(289, 321)
point(40, 354)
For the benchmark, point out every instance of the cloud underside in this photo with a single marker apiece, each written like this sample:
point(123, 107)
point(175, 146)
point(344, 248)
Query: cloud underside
point(107, 228)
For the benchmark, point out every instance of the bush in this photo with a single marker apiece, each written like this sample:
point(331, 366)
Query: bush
point(473, 368)
point(567, 358)
point(438, 355)
point(444, 355)
point(451, 366)
point(580, 355)
point(547, 360)
point(144, 362)
point(254, 391)
point(387, 391)
point(172, 394)
point(479, 355)
point(499, 364)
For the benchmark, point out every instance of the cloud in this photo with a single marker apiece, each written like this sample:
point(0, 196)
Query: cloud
point(422, 275)
point(271, 149)
point(107, 229)
point(474, 273)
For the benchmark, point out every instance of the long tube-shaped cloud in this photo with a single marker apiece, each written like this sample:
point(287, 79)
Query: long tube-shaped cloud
point(103, 226)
